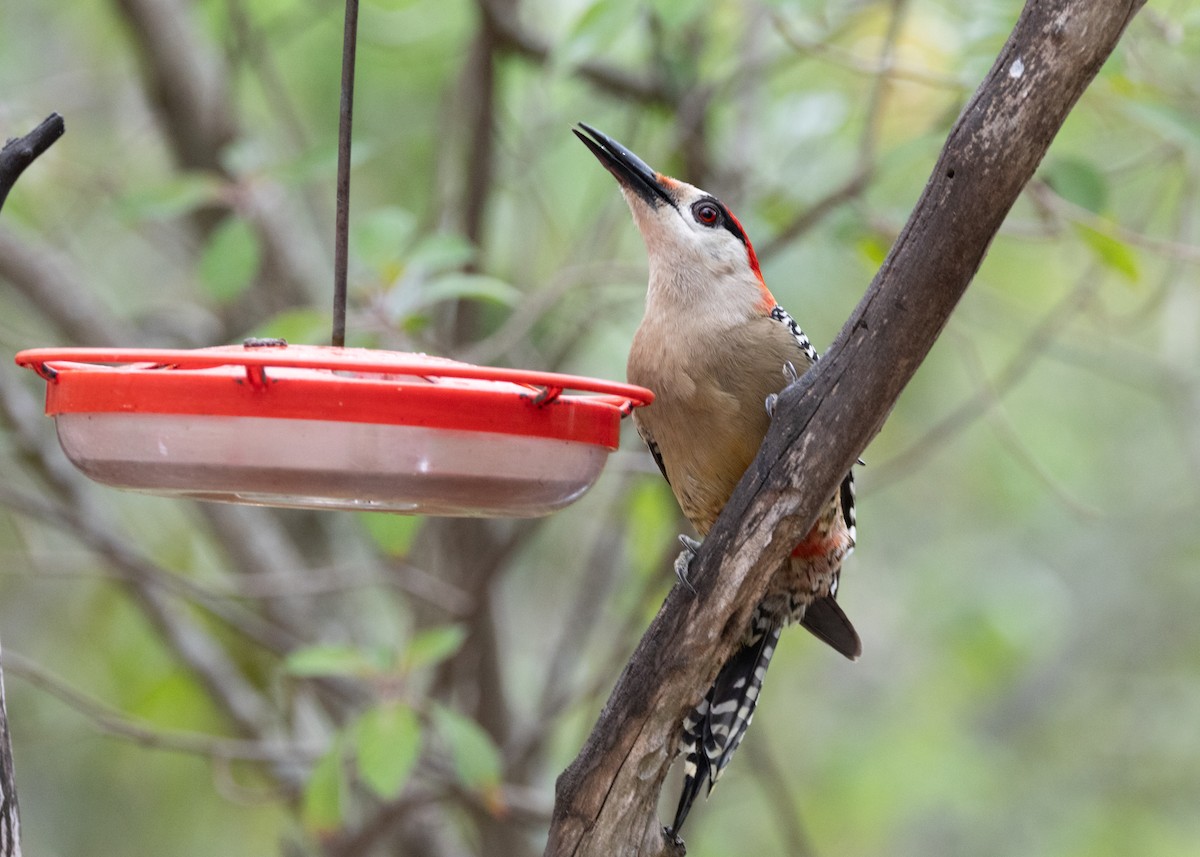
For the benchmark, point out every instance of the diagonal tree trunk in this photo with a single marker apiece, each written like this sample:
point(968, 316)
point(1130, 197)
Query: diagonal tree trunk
point(606, 801)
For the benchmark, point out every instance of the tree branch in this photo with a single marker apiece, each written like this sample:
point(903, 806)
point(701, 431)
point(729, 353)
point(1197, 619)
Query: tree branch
point(10, 816)
point(20, 152)
point(607, 799)
point(16, 155)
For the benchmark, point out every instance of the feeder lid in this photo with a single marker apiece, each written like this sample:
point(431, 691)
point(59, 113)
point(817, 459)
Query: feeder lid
point(295, 425)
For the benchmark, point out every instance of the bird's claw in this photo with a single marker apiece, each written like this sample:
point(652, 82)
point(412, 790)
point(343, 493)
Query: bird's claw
point(683, 562)
point(789, 372)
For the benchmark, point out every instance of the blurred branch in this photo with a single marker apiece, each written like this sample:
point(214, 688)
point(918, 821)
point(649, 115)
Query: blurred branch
point(1169, 249)
point(478, 99)
point(112, 722)
point(10, 813)
point(886, 66)
point(188, 87)
point(186, 84)
point(606, 800)
point(1010, 438)
point(1039, 339)
point(1043, 335)
point(864, 168)
point(60, 293)
point(513, 37)
point(194, 647)
point(778, 793)
point(19, 152)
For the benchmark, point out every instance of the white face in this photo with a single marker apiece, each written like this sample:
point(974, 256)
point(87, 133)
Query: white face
point(701, 262)
point(698, 251)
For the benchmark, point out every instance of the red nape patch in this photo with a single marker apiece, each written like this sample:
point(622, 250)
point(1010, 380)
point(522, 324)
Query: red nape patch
point(768, 301)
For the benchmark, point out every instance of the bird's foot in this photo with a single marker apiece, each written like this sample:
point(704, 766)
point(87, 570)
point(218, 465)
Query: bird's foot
point(683, 562)
point(789, 372)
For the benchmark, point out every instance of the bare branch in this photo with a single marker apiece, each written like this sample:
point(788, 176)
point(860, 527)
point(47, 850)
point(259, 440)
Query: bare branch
point(888, 65)
point(112, 722)
point(607, 799)
point(10, 815)
point(649, 89)
point(20, 152)
point(59, 292)
point(187, 84)
point(864, 169)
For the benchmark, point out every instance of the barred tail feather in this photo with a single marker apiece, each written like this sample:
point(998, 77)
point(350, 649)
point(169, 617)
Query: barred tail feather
point(717, 725)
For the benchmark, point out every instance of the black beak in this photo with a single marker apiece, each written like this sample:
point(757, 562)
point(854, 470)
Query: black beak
point(632, 172)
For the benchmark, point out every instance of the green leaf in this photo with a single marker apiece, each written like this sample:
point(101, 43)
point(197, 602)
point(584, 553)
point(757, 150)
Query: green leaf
point(476, 759)
point(442, 251)
point(332, 660)
point(296, 326)
point(434, 645)
point(319, 164)
point(387, 745)
point(230, 260)
point(393, 533)
point(596, 28)
point(456, 286)
point(676, 14)
point(1111, 251)
point(321, 806)
point(172, 198)
point(381, 236)
point(1078, 181)
point(873, 248)
point(410, 300)
point(650, 511)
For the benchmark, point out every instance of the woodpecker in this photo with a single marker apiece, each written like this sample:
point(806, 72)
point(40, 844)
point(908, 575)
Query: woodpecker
point(716, 348)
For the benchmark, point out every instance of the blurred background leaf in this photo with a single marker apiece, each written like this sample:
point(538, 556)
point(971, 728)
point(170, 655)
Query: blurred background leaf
point(1025, 580)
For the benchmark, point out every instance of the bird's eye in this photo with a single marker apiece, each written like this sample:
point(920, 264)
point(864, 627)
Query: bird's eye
point(706, 213)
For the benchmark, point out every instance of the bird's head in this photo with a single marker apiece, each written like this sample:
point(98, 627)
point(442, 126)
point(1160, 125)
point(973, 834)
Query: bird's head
point(699, 253)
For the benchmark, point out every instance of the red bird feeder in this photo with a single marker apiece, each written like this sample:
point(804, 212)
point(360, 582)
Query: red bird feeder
point(332, 428)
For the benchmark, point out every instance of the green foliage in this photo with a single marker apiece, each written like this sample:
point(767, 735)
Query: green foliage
point(1025, 575)
point(335, 660)
point(432, 646)
point(387, 743)
point(1079, 181)
point(230, 260)
point(173, 197)
point(476, 758)
point(325, 793)
point(1110, 251)
point(394, 534)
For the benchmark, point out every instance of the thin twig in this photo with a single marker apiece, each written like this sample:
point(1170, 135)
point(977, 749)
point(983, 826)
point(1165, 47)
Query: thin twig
point(1038, 340)
point(826, 50)
point(112, 722)
point(864, 169)
point(648, 89)
point(778, 793)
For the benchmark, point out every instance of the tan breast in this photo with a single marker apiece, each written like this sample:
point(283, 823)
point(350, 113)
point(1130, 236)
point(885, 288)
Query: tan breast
point(709, 415)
